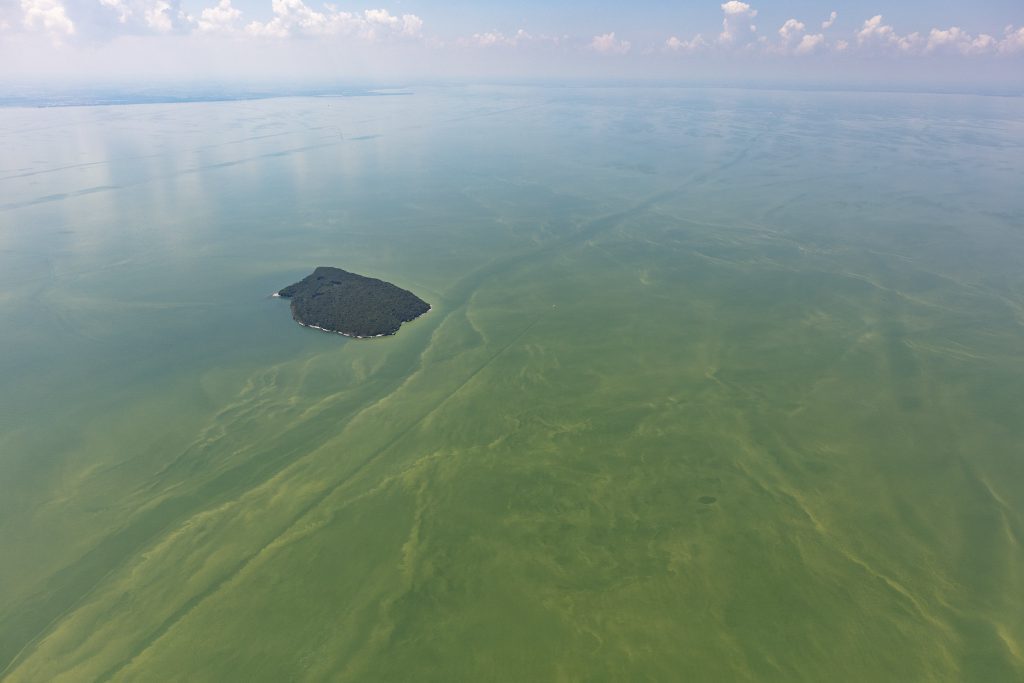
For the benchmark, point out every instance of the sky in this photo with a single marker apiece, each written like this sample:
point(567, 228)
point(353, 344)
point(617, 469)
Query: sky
point(917, 43)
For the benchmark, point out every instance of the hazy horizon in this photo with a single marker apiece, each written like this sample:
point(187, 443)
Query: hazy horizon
point(70, 92)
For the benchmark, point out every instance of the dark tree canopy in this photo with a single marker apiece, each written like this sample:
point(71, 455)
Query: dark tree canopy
point(358, 306)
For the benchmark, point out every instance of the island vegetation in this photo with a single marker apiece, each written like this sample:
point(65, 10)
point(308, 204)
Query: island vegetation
point(335, 300)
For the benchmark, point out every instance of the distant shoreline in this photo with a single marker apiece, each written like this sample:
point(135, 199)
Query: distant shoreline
point(38, 98)
point(18, 94)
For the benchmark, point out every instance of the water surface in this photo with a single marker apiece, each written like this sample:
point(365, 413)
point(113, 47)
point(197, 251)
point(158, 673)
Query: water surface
point(717, 385)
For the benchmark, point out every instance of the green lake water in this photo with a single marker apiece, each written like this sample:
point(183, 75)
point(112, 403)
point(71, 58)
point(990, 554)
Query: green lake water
point(718, 385)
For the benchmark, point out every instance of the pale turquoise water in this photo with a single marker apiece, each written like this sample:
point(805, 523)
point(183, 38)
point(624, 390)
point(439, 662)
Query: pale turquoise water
point(718, 384)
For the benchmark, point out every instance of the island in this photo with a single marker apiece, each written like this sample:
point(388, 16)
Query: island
point(335, 300)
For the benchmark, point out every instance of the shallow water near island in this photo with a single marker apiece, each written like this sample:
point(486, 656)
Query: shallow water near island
point(717, 385)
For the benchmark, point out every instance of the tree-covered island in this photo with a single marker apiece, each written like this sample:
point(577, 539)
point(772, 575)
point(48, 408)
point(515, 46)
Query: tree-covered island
point(336, 300)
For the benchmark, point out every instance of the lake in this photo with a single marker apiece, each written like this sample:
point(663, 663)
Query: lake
point(718, 384)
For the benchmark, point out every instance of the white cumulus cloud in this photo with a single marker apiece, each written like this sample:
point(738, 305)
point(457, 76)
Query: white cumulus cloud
point(498, 39)
point(735, 7)
point(146, 16)
point(951, 36)
point(608, 44)
point(874, 29)
point(791, 29)
point(412, 25)
point(1014, 40)
point(875, 32)
point(221, 18)
point(406, 25)
point(955, 38)
point(676, 45)
point(736, 26)
point(158, 18)
point(793, 39)
point(827, 24)
point(47, 15)
point(296, 18)
point(809, 43)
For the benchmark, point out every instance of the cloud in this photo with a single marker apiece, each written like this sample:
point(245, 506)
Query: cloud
point(952, 39)
point(490, 38)
point(607, 44)
point(157, 17)
point(982, 44)
point(874, 29)
point(875, 32)
point(955, 38)
point(791, 29)
point(498, 39)
point(676, 45)
point(47, 15)
point(120, 7)
point(412, 25)
point(809, 43)
point(145, 16)
point(1014, 40)
point(794, 31)
point(221, 18)
point(827, 24)
point(295, 18)
point(951, 36)
point(406, 25)
point(909, 42)
point(737, 29)
point(735, 7)
point(736, 23)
